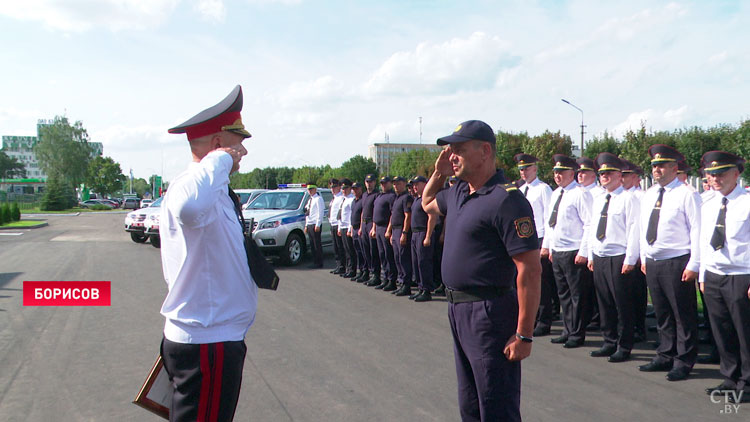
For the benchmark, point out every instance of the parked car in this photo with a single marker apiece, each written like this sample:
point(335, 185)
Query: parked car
point(114, 203)
point(135, 221)
point(151, 228)
point(131, 203)
point(247, 195)
point(146, 202)
point(91, 202)
point(278, 222)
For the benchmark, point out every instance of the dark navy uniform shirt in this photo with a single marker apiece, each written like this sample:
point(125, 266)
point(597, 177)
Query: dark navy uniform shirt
point(418, 216)
point(381, 212)
point(357, 213)
point(483, 230)
point(401, 205)
point(368, 200)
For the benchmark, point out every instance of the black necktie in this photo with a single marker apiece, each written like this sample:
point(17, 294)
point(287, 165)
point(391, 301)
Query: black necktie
point(601, 230)
point(553, 216)
point(653, 221)
point(720, 231)
point(526, 191)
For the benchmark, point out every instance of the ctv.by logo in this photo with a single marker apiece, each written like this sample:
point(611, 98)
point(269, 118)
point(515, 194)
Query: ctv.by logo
point(729, 398)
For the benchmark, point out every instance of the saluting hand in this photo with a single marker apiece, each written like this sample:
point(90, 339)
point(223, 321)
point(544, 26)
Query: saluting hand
point(443, 163)
point(237, 152)
point(516, 350)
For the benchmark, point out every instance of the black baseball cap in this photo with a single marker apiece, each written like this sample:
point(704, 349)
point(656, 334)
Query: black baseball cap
point(419, 179)
point(469, 130)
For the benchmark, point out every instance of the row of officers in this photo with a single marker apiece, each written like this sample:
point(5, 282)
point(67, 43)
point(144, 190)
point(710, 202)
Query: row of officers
point(604, 247)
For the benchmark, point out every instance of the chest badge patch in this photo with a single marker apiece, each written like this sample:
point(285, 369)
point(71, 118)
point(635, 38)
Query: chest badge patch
point(524, 227)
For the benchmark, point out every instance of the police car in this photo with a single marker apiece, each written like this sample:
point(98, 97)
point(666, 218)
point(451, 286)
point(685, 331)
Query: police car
point(135, 221)
point(246, 196)
point(151, 229)
point(278, 221)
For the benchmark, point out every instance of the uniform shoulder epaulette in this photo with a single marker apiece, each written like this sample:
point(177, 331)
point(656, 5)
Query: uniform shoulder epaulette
point(509, 187)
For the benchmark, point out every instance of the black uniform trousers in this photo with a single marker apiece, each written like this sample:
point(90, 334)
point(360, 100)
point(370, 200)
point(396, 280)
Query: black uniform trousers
point(402, 256)
point(370, 247)
point(338, 248)
point(349, 253)
point(385, 251)
point(729, 311)
point(489, 386)
point(207, 379)
point(676, 309)
point(574, 288)
point(615, 297)
point(640, 300)
point(549, 292)
point(359, 250)
point(316, 247)
point(422, 260)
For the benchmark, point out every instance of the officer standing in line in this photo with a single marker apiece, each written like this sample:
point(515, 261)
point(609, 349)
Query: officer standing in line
point(370, 244)
point(422, 244)
point(381, 218)
point(631, 182)
point(613, 244)
point(713, 356)
point(334, 217)
point(586, 176)
point(682, 172)
point(315, 210)
point(399, 233)
point(354, 230)
point(670, 256)
point(564, 245)
point(345, 224)
point(490, 248)
point(538, 194)
point(725, 270)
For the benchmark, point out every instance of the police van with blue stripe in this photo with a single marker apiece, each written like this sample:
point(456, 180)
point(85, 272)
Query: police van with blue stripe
point(278, 221)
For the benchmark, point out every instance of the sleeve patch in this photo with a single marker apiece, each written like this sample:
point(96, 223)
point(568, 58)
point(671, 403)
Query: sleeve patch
point(524, 227)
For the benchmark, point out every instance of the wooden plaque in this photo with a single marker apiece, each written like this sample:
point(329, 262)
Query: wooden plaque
point(156, 393)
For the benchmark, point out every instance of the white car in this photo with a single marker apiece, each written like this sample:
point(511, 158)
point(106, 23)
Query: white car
point(247, 195)
point(151, 229)
point(146, 202)
point(135, 221)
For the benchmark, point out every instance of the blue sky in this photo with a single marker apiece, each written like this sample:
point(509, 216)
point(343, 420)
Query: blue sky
point(323, 79)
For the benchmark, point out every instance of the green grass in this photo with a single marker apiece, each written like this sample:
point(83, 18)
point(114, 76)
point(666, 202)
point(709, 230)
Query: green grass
point(36, 210)
point(22, 223)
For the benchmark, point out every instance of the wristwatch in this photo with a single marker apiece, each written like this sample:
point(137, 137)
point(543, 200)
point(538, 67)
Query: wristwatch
point(524, 338)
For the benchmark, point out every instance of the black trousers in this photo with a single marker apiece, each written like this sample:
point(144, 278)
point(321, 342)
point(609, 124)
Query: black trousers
point(640, 300)
point(549, 292)
point(676, 308)
point(422, 261)
point(350, 253)
point(207, 379)
point(615, 297)
point(359, 250)
point(316, 247)
point(338, 248)
point(370, 246)
point(385, 250)
point(729, 311)
point(574, 288)
point(402, 256)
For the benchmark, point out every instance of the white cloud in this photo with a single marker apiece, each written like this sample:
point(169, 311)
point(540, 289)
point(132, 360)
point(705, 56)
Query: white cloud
point(82, 15)
point(211, 10)
point(718, 58)
point(652, 119)
point(461, 64)
point(390, 129)
point(320, 90)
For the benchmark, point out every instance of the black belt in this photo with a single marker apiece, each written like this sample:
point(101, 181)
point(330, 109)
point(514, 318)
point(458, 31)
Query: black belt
point(397, 226)
point(419, 229)
point(356, 227)
point(475, 294)
point(367, 220)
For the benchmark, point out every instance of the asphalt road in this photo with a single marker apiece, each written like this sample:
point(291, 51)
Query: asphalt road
point(322, 348)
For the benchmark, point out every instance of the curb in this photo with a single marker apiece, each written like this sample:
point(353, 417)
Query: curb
point(41, 224)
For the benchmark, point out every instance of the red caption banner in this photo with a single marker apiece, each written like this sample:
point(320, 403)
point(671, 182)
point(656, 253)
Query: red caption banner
point(66, 293)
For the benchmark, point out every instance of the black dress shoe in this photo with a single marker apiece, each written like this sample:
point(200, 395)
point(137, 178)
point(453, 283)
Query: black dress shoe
point(619, 356)
point(678, 374)
point(404, 291)
point(391, 286)
point(559, 340)
point(572, 344)
point(381, 285)
point(603, 352)
point(424, 297)
point(656, 366)
point(724, 386)
point(414, 295)
point(440, 291)
point(540, 331)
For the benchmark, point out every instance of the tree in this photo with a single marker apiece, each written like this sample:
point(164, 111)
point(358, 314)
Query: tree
point(508, 145)
point(57, 195)
point(10, 168)
point(417, 162)
point(63, 151)
point(141, 186)
point(5, 214)
point(543, 147)
point(15, 212)
point(357, 167)
point(605, 143)
point(104, 175)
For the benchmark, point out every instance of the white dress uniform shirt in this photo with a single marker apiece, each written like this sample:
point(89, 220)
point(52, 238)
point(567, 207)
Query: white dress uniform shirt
point(678, 232)
point(346, 212)
point(621, 235)
point(573, 215)
point(212, 296)
point(706, 195)
point(734, 257)
point(316, 208)
point(637, 192)
point(538, 194)
point(338, 200)
point(595, 190)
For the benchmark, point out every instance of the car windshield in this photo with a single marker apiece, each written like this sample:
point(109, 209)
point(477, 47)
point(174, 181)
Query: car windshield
point(157, 202)
point(278, 200)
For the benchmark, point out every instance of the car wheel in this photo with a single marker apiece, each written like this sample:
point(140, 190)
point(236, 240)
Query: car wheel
point(292, 253)
point(155, 241)
point(138, 237)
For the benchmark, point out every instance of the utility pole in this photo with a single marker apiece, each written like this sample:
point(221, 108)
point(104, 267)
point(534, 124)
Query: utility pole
point(582, 125)
point(420, 129)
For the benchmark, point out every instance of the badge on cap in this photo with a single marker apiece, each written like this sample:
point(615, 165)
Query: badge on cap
point(457, 128)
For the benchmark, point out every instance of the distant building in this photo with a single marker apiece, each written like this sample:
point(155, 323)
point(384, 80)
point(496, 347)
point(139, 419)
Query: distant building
point(21, 148)
point(383, 153)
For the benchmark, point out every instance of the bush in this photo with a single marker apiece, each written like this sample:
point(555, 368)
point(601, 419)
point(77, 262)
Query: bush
point(15, 212)
point(5, 214)
point(100, 207)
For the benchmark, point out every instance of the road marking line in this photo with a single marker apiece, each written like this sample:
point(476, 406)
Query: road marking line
point(10, 234)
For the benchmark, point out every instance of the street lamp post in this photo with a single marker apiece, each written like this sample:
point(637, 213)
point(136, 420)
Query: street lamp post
point(582, 125)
